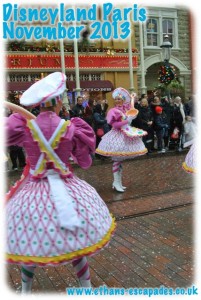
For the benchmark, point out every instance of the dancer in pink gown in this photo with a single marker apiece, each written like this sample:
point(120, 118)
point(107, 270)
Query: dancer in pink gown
point(122, 141)
point(52, 216)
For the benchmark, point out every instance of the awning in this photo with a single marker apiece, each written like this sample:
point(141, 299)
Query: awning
point(91, 86)
point(86, 85)
point(18, 86)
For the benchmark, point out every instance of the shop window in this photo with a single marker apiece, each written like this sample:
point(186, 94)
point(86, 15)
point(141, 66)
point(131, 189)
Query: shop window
point(95, 77)
point(12, 77)
point(90, 77)
point(25, 77)
point(84, 77)
point(69, 77)
point(33, 77)
point(22, 77)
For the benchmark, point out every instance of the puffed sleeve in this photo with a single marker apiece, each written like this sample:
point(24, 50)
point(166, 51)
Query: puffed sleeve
point(114, 118)
point(84, 142)
point(15, 129)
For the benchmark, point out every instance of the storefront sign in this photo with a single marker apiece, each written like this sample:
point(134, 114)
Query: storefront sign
point(21, 61)
point(101, 89)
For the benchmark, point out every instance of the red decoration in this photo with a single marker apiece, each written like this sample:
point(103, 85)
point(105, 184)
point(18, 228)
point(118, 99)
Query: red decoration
point(51, 61)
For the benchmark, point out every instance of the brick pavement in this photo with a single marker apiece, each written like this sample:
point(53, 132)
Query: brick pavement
point(145, 177)
point(147, 250)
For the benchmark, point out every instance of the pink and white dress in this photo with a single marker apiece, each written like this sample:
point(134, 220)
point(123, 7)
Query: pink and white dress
point(189, 165)
point(122, 141)
point(52, 216)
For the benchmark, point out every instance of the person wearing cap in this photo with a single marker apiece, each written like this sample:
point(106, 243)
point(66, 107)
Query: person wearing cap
point(161, 128)
point(156, 101)
point(122, 141)
point(52, 216)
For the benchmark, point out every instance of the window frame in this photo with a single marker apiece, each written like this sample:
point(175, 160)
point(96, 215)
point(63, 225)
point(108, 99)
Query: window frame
point(151, 32)
point(160, 15)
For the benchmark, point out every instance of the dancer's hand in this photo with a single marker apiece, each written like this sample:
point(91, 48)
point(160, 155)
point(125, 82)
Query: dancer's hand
point(133, 95)
point(130, 119)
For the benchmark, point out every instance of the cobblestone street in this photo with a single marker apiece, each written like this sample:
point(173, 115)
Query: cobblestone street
point(153, 244)
point(112, 84)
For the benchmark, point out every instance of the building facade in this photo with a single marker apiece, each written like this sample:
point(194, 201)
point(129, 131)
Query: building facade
point(177, 24)
point(105, 65)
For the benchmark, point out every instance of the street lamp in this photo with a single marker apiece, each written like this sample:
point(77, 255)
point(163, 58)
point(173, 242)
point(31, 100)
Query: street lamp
point(166, 71)
point(166, 49)
point(63, 69)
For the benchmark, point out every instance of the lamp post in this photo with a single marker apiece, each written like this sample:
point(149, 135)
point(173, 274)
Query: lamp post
point(143, 86)
point(77, 72)
point(167, 71)
point(76, 60)
point(63, 69)
point(130, 55)
point(166, 49)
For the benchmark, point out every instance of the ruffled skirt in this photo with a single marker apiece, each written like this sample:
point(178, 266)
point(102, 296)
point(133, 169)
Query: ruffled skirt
point(119, 146)
point(34, 236)
point(189, 163)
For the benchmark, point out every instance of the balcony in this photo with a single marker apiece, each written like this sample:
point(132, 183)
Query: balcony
point(68, 49)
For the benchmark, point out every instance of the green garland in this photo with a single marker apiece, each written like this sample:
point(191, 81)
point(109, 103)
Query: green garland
point(19, 46)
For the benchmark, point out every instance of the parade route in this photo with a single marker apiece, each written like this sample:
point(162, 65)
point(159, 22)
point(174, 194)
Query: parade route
point(153, 244)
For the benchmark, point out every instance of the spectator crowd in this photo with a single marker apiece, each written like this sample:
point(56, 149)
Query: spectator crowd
point(169, 123)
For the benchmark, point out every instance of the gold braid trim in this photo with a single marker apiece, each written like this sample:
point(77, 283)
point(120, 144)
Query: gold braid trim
point(188, 169)
point(120, 153)
point(64, 257)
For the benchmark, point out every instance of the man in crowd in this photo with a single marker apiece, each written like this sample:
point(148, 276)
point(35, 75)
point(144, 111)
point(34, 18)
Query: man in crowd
point(78, 109)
